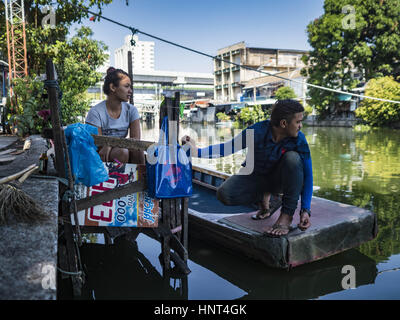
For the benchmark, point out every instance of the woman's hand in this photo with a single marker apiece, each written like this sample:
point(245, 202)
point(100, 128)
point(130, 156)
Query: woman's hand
point(105, 153)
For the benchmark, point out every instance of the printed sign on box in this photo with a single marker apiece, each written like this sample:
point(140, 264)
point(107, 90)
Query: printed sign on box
point(134, 210)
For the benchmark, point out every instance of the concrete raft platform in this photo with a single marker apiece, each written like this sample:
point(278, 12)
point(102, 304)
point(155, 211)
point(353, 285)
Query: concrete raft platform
point(335, 228)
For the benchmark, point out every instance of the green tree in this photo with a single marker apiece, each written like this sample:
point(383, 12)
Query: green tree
point(371, 42)
point(76, 59)
point(378, 113)
point(39, 40)
point(285, 93)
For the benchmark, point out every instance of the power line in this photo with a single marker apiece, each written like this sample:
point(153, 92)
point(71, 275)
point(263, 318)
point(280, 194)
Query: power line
point(134, 30)
point(389, 270)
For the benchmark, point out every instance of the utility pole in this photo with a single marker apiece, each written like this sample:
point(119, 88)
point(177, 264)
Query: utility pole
point(16, 39)
point(130, 72)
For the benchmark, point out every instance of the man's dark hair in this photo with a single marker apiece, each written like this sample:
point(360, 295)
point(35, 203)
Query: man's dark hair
point(113, 76)
point(285, 109)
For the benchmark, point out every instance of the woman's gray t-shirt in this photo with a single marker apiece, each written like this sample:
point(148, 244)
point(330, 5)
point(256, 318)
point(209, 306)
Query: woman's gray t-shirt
point(99, 117)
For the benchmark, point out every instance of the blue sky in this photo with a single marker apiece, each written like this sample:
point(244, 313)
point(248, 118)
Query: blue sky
point(207, 26)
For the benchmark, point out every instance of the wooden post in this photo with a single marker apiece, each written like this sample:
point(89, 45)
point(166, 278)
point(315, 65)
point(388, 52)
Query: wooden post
point(185, 227)
point(165, 206)
point(130, 72)
point(55, 119)
point(174, 211)
point(60, 151)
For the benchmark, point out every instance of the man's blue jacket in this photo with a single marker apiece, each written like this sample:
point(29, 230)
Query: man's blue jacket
point(267, 153)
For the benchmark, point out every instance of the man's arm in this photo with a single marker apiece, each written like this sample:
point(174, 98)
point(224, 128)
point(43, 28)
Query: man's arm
point(224, 149)
point(307, 192)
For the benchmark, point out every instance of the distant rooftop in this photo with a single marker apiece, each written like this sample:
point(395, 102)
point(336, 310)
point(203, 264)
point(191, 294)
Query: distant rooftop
point(277, 49)
point(243, 44)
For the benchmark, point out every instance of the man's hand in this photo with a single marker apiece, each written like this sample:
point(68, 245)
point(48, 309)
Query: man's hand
point(186, 140)
point(305, 221)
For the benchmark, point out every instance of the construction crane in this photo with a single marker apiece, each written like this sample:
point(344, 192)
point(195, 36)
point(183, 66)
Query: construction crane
point(16, 39)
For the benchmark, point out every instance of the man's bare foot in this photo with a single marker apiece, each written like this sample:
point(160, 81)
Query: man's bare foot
point(264, 211)
point(262, 214)
point(281, 226)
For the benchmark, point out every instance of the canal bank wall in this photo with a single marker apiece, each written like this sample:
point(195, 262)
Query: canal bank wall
point(312, 121)
point(208, 115)
point(28, 251)
point(201, 115)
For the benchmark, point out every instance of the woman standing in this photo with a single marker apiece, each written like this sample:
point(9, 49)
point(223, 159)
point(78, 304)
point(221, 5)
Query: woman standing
point(116, 117)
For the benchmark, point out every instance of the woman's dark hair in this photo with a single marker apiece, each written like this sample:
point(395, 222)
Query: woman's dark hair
point(285, 109)
point(113, 76)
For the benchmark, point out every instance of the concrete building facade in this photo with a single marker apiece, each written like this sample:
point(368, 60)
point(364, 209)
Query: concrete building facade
point(229, 79)
point(142, 55)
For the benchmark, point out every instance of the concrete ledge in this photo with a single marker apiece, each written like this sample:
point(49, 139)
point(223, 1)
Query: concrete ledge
point(30, 156)
point(6, 141)
point(28, 252)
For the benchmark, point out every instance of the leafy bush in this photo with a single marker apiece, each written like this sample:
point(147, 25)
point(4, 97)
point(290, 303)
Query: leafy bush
point(74, 107)
point(252, 114)
point(222, 116)
point(26, 104)
point(285, 93)
point(380, 113)
point(307, 110)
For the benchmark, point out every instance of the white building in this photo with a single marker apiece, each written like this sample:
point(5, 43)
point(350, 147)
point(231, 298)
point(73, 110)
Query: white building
point(142, 55)
point(230, 79)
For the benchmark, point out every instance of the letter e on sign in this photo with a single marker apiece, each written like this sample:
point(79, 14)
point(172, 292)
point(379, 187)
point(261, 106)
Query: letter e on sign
point(349, 280)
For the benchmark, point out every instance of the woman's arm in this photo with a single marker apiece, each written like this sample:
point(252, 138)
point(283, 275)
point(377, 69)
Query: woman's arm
point(104, 151)
point(135, 156)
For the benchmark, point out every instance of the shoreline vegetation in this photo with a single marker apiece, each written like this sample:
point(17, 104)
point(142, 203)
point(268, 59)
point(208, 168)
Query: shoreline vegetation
point(252, 114)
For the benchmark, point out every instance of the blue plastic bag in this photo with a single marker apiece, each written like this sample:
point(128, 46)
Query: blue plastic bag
point(168, 168)
point(86, 164)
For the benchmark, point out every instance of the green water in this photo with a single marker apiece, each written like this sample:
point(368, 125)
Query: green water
point(357, 168)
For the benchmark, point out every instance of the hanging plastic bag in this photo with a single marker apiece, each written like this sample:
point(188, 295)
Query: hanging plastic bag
point(86, 164)
point(168, 169)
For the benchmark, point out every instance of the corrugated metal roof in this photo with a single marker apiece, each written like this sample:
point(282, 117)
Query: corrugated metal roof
point(262, 81)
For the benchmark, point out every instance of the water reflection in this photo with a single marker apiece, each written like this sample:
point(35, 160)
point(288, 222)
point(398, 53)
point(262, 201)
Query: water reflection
point(309, 281)
point(121, 271)
point(357, 168)
point(360, 168)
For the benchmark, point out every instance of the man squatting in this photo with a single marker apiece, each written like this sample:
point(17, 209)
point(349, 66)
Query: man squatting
point(282, 164)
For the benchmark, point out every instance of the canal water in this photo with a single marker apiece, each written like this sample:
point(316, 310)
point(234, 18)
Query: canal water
point(358, 167)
